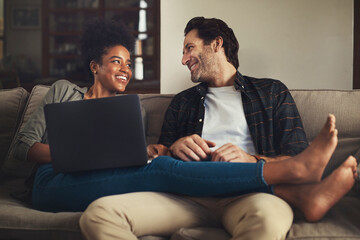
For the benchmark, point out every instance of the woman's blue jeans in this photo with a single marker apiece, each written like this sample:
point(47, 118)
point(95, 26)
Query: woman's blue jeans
point(56, 192)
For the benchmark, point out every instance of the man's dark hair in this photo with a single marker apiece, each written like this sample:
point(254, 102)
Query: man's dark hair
point(98, 36)
point(211, 28)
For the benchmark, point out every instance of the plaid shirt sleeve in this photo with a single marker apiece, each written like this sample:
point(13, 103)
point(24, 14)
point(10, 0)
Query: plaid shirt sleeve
point(183, 116)
point(289, 135)
point(169, 128)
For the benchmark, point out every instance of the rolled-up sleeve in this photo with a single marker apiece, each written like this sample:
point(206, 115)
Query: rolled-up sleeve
point(34, 129)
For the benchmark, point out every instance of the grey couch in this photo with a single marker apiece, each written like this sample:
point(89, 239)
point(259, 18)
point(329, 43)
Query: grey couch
point(19, 221)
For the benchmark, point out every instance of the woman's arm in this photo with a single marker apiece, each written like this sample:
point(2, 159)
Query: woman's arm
point(31, 142)
point(40, 153)
point(155, 150)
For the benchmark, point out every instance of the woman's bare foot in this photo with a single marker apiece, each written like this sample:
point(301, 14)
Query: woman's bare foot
point(312, 161)
point(315, 199)
point(308, 166)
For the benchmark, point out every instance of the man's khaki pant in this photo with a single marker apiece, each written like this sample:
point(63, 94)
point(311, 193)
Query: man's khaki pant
point(253, 216)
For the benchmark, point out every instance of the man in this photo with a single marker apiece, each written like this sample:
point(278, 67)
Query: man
point(244, 116)
point(262, 109)
point(231, 118)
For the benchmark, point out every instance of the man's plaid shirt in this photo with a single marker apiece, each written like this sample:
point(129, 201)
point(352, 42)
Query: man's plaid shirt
point(272, 116)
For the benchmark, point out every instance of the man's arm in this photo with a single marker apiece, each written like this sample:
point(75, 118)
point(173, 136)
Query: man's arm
point(30, 143)
point(155, 150)
point(169, 133)
point(289, 134)
point(178, 130)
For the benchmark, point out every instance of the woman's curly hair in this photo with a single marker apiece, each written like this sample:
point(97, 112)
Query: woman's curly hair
point(98, 36)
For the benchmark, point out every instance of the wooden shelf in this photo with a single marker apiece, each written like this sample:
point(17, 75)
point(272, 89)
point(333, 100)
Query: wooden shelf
point(56, 43)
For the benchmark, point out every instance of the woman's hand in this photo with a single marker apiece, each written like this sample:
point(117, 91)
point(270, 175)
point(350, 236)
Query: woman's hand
point(39, 153)
point(155, 150)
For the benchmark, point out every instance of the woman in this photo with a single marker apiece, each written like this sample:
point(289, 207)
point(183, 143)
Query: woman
point(105, 47)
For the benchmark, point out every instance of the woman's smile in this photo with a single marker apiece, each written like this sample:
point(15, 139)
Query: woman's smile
point(114, 72)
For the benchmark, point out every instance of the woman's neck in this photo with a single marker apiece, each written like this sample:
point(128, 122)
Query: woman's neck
point(97, 91)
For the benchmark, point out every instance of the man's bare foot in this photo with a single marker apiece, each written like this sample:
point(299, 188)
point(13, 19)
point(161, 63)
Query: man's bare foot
point(315, 200)
point(310, 164)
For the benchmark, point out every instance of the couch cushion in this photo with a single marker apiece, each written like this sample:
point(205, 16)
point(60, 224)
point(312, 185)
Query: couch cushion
point(19, 221)
point(315, 105)
point(341, 222)
point(36, 96)
point(201, 233)
point(12, 104)
point(12, 166)
point(155, 106)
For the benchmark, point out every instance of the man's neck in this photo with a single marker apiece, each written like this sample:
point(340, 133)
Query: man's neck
point(225, 77)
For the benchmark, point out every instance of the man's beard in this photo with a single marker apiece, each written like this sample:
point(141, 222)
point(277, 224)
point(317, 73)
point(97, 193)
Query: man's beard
point(195, 79)
point(204, 69)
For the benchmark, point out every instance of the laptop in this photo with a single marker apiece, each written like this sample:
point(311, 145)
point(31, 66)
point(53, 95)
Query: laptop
point(96, 134)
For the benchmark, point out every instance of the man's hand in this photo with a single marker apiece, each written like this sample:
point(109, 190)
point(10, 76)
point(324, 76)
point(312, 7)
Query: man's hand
point(191, 148)
point(155, 150)
point(231, 153)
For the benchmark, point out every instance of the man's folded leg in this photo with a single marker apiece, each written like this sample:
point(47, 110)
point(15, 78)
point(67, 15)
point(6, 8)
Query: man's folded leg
point(128, 216)
point(257, 216)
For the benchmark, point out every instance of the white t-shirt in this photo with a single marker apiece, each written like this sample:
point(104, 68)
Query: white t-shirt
point(225, 121)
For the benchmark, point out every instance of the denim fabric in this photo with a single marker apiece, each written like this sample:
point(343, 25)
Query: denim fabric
point(56, 192)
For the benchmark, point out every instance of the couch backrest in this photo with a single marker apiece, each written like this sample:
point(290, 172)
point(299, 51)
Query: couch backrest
point(155, 106)
point(12, 104)
point(315, 105)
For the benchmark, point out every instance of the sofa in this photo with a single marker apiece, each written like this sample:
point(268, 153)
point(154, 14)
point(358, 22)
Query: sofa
point(19, 221)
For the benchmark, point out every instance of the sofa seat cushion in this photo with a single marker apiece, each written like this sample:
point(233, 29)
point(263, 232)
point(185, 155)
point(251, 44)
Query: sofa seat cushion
point(20, 221)
point(12, 104)
point(341, 222)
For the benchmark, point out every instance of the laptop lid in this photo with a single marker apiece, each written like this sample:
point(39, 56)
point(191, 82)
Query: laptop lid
point(96, 134)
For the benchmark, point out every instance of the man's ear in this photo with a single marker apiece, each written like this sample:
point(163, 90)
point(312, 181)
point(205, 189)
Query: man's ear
point(94, 66)
point(218, 43)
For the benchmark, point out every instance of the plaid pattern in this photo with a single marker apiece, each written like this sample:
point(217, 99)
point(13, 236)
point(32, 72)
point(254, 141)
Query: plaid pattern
point(273, 119)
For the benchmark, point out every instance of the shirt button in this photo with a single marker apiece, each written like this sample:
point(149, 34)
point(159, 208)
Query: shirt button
point(200, 120)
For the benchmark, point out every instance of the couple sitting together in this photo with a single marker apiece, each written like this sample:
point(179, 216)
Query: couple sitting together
point(232, 152)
